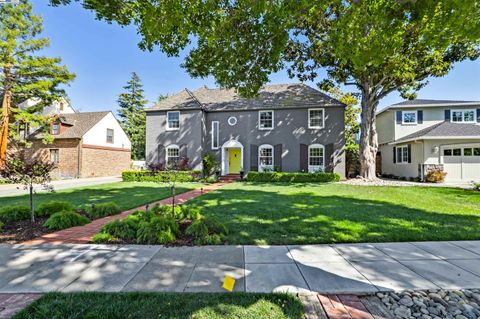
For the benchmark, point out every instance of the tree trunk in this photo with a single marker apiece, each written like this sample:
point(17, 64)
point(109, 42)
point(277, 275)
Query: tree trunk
point(32, 211)
point(368, 136)
point(5, 121)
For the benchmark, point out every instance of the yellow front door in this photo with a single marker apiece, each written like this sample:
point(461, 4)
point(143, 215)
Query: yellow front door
point(234, 158)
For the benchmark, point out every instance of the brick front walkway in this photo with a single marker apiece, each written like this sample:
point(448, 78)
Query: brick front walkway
point(84, 234)
point(10, 304)
point(342, 307)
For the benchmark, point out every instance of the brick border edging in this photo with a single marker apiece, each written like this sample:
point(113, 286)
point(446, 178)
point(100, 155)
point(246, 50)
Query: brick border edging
point(84, 234)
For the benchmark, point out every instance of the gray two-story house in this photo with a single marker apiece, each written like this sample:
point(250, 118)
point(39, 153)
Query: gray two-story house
point(420, 135)
point(288, 127)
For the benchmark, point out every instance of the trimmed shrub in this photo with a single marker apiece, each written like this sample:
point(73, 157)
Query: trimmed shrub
point(52, 207)
point(292, 177)
point(102, 238)
point(14, 213)
point(208, 231)
point(435, 176)
point(103, 210)
point(160, 176)
point(125, 229)
point(159, 230)
point(65, 219)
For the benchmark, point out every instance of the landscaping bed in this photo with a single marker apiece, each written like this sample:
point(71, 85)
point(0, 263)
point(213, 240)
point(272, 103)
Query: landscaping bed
point(23, 230)
point(164, 305)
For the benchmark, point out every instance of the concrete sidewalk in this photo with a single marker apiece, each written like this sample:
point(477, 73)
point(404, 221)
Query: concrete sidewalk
point(15, 190)
point(332, 269)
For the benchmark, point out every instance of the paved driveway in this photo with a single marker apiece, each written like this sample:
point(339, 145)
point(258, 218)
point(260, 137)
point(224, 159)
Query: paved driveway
point(14, 190)
point(348, 268)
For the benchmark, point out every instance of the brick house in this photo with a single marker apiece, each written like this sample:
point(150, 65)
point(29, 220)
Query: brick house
point(86, 144)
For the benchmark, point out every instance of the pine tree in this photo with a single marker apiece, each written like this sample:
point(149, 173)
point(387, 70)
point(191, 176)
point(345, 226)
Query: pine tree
point(24, 73)
point(132, 115)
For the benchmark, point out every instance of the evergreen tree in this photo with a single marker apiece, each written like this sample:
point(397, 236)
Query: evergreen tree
point(132, 115)
point(24, 73)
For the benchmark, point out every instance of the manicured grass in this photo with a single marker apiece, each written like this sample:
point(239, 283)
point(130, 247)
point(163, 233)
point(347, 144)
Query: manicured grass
point(333, 213)
point(164, 305)
point(126, 194)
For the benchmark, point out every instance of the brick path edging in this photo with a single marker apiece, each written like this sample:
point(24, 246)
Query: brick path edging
point(84, 234)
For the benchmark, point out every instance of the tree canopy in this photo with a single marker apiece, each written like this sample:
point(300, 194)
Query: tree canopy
point(379, 46)
point(24, 73)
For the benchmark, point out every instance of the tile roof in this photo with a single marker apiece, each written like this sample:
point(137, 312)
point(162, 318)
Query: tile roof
point(445, 129)
point(80, 124)
point(270, 96)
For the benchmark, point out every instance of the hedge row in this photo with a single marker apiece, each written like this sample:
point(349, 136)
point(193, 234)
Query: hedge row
point(159, 176)
point(293, 177)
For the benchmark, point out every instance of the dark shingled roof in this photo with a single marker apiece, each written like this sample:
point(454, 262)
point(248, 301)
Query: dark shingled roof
point(79, 124)
point(421, 102)
point(445, 129)
point(274, 96)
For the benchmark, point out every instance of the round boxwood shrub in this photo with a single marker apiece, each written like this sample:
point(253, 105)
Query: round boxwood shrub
point(52, 207)
point(159, 230)
point(65, 219)
point(14, 213)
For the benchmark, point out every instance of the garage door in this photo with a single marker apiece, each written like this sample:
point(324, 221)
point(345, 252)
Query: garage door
point(462, 162)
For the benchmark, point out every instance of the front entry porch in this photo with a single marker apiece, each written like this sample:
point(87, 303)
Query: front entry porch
point(232, 158)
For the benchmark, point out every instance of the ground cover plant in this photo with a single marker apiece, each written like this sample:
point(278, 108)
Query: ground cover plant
point(65, 219)
point(164, 305)
point(276, 213)
point(182, 225)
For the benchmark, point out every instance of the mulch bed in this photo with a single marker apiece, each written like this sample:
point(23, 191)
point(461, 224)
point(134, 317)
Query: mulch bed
point(23, 230)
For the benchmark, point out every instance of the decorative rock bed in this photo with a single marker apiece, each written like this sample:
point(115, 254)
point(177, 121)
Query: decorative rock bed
point(433, 304)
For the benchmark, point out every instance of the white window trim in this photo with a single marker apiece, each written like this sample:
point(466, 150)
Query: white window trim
point(396, 155)
point(168, 123)
point(166, 151)
point(410, 123)
point(273, 120)
point(316, 168)
point(218, 135)
point(323, 119)
point(463, 115)
point(261, 167)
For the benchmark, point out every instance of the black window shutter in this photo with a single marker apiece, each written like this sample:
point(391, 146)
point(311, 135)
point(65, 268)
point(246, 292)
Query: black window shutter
point(409, 153)
point(394, 154)
point(399, 117)
point(447, 115)
point(329, 157)
point(277, 157)
point(478, 115)
point(254, 158)
point(419, 116)
point(161, 155)
point(304, 158)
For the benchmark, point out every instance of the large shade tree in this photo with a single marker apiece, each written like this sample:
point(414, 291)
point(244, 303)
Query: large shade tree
point(378, 46)
point(25, 74)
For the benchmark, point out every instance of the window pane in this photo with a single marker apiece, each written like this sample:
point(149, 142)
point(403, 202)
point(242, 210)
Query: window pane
point(215, 136)
point(469, 116)
point(399, 155)
point(54, 156)
point(410, 117)
point(109, 135)
point(266, 119)
point(457, 152)
point(173, 119)
point(457, 116)
point(55, 129)
point(447, 152)
point(476, 151)
point(316, 118)
point(467, 152)
point(266, 156)
point(405, 154)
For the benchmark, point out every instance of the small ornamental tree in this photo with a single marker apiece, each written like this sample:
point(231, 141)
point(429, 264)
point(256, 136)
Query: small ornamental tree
point(28, 172)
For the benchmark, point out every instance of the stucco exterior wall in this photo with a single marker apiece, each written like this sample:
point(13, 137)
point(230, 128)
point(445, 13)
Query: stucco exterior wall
point(386, 127)
point(401, 169)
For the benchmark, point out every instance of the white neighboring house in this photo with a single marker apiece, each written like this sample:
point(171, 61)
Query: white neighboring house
point(57, 107)
point(419, 135)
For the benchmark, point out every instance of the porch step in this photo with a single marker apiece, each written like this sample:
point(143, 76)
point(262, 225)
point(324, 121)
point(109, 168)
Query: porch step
point(229, 178)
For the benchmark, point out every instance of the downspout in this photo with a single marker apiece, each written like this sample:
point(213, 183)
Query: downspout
point(79, 157)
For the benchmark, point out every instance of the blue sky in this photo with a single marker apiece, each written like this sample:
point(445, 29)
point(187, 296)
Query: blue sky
point(103, 55)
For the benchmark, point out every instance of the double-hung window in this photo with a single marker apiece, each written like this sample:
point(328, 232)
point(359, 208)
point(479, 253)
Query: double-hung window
point(110, 134)
point(215, 135)
point(173, 155)
point(316, 118)
point(316, 158)
point(463, 116)
point(409, 117)
point(55, 128)
point(402, 155)
point(265, 120)
point(55, 155)
point(173, 120)
point(265, 158)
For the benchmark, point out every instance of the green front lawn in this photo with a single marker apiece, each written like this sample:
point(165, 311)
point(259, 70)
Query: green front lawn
point(126, 194)
point(164, 305)
point(333, 213)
